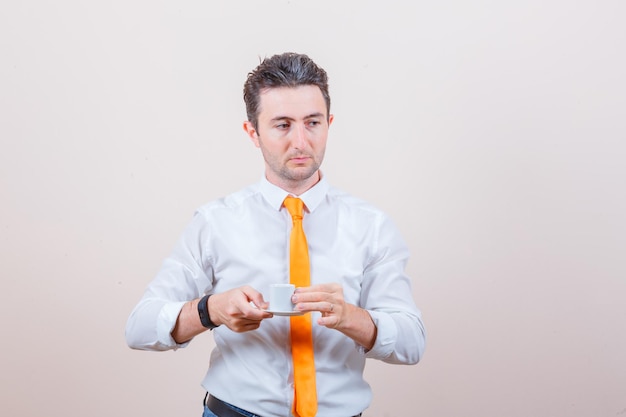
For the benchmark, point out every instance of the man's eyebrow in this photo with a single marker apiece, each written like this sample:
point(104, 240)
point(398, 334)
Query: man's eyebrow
point(278, 118)
point(310, 116)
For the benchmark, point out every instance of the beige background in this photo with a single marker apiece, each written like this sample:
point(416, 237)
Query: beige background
point(493, 133)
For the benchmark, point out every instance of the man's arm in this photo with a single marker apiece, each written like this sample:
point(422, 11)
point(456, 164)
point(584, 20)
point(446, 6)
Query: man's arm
point(384, 320)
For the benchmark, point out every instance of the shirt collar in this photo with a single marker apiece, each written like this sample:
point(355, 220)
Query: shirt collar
point(312, 198)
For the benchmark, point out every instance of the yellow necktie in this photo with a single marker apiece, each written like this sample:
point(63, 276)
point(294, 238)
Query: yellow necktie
point(305, 396)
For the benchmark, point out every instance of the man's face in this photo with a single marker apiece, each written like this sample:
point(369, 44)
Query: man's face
point(291, 132)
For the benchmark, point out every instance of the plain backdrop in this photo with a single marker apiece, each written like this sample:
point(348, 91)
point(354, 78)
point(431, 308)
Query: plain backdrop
point(492, 132)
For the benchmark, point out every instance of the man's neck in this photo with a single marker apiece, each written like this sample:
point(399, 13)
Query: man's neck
point(298, 187)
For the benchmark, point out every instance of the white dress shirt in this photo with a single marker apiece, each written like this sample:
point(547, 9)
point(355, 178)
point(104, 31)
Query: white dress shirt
point(243, 239)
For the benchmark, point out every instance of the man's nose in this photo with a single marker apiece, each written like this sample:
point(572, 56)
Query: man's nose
point(299, 136)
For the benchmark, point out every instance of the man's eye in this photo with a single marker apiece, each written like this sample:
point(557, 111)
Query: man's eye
point(282, 125)
point(314, 123)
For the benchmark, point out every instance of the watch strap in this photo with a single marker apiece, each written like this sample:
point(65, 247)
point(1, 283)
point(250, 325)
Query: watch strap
point(203, 312)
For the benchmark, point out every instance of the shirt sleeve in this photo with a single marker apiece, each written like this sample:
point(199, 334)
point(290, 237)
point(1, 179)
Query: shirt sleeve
point(388, 297)
point(184, 276)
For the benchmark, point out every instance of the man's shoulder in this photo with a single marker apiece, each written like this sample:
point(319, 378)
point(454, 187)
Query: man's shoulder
point(341, 197)
point(231, 201)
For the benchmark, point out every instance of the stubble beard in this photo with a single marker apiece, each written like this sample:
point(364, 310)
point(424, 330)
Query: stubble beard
point(292, 175)
point(299, 173)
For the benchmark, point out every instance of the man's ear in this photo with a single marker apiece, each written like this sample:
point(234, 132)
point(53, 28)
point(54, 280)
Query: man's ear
point(252, 133)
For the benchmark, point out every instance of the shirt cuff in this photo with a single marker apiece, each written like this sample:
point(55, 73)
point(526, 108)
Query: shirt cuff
point(166, 323)
point(386, 335)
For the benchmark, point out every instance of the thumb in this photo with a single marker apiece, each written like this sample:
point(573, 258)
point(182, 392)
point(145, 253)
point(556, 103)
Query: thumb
point(258, 300)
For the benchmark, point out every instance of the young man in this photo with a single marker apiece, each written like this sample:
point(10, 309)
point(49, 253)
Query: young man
point(356, 302)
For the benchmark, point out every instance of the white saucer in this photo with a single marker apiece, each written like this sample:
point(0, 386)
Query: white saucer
point(285, 313)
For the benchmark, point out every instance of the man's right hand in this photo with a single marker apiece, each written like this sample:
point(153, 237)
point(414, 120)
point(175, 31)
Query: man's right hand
point(233, 309)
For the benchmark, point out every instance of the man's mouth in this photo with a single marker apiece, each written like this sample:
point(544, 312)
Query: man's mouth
point(299, 159)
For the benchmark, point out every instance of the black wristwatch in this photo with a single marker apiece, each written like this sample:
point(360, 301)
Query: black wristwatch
point(203, 312)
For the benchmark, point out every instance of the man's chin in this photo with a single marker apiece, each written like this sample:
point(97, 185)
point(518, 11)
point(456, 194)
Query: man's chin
point(300, 173)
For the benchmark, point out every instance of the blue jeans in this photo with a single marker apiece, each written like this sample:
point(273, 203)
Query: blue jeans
point(207, 412)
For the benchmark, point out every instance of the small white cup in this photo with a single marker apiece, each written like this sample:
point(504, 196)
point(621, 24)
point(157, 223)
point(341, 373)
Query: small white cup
point(280, 297)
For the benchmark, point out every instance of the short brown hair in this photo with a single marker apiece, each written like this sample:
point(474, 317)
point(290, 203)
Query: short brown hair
point(284, 70)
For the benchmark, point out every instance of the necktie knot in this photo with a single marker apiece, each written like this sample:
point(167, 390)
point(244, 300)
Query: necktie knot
point(295, 207)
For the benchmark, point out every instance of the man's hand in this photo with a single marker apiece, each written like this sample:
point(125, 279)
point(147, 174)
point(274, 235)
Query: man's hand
point(337, 314)
point(233, 309)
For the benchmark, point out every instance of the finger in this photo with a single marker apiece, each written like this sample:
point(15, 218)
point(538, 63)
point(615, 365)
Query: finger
point(255, 314)
point(327, 308)
point(259, 302)
point(323, 307)
point(312, 297)
point(329, 287)
point(328, 321)
point(255, 296)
